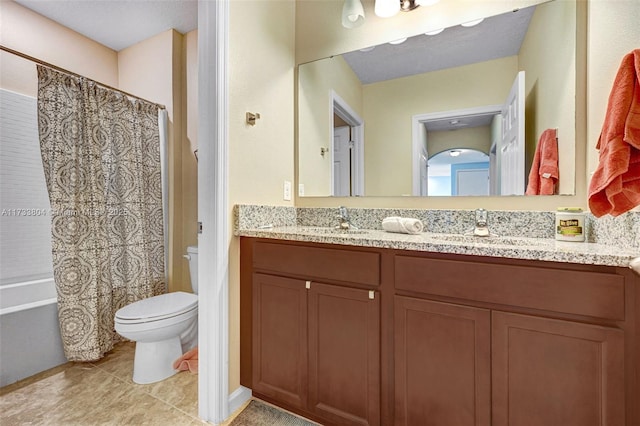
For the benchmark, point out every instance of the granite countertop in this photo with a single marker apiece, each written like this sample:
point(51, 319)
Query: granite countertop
point(544, 249)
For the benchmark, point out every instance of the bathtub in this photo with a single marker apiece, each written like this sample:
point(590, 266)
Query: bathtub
point(30, 339)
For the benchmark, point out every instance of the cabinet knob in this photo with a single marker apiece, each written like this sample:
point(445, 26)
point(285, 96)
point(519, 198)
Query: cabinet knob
point(635, 265)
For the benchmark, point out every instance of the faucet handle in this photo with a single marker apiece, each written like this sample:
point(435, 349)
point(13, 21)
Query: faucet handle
point(481, 217)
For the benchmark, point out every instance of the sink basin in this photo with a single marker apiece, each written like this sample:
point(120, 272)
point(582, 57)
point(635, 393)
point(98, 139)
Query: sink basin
point(493, 240)
point(336, 231)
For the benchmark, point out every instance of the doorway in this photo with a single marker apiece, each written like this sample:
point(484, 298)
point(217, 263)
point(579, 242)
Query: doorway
point(507, 146)
point(347, 149)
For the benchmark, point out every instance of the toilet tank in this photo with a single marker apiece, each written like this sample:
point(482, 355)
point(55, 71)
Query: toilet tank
point(192, 256)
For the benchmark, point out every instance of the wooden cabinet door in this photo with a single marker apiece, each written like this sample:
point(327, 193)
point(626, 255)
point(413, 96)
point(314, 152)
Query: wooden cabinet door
point(442, 364)
point(552, 372)
point(280, 339)
point(344, 354)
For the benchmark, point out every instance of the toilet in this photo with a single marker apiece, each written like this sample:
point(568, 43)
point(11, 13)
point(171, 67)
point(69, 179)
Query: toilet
point(163, 327)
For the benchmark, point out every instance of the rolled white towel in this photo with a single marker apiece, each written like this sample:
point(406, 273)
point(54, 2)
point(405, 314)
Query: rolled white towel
point(403, 225)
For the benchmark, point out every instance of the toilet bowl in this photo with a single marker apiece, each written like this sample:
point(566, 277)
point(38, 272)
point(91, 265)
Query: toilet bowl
point(163, 327)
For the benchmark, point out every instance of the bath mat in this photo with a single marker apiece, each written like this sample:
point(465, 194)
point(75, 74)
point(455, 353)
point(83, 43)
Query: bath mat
point(259, 414)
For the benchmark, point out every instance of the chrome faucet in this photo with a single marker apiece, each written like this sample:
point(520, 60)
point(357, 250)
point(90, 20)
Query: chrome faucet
point(481, 228)
point(345, 220)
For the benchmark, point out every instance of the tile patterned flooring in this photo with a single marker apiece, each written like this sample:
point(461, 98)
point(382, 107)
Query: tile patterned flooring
point(100, 393)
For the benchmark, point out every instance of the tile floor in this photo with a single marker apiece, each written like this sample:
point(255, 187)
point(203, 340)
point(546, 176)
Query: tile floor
point(100, 393)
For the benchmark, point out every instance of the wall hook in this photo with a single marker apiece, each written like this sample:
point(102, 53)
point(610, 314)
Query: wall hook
point(252, 117)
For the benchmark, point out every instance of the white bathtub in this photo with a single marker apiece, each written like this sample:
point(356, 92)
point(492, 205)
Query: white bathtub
point(29, 334)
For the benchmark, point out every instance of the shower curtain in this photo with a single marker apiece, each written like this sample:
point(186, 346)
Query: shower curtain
point(101, 156)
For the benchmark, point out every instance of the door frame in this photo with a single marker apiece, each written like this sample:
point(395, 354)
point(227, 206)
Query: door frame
point(419, 133)
point(342, 109)
point(214, 401)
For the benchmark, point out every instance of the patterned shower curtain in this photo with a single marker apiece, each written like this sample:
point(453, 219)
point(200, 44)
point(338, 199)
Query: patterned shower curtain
point(101, 157)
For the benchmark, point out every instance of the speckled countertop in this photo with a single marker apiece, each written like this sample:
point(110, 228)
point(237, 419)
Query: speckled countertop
point(521, 235)
point(544, 249)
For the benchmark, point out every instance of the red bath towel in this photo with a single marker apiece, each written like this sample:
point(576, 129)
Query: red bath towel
point(615, 185)
point(544, 170)
point(188, 361)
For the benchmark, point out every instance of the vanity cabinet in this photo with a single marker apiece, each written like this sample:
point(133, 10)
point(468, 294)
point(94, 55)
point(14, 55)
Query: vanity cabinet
point(442, 363)
point(351, 335)
point(315, 345)
point(556, 359)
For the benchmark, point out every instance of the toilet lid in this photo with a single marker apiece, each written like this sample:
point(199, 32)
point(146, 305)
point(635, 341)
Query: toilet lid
point(168, 304)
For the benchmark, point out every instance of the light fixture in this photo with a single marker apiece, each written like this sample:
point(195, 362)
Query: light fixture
point(472, 23)
point(398, 41)
point(434, 32)
point(352, 14)
point(455, 152)
point(408, 5)
point(387, 8)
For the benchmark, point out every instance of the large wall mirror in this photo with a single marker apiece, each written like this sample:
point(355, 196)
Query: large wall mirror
point(455, 112)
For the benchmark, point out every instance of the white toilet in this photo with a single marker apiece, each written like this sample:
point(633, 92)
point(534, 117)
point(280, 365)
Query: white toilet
point(163, 327)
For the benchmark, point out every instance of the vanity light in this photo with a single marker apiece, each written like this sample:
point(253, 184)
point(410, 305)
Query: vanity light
point(472, 23)
point(434, 32)
point(455, 152)
point(387, 8)
point(352, 14)
point(398, 41)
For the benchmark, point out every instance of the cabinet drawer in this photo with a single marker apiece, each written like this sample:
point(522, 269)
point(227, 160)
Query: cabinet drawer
point(566, 291)
point(351, 266)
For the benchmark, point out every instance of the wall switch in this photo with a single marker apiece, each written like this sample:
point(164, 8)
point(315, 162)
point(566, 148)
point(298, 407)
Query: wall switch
point(301, 189)
point(286, 194)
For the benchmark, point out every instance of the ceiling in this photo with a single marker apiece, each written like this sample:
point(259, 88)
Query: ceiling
point(118, 24)
point(495, 37)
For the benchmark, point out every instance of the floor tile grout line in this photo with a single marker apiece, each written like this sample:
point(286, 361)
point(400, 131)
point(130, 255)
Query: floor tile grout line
point(133, 386)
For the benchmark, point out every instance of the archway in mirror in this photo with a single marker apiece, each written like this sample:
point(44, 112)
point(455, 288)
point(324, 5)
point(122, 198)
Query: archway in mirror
point(459, 171)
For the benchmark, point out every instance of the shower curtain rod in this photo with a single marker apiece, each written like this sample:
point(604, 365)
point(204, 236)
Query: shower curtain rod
point(57, 68)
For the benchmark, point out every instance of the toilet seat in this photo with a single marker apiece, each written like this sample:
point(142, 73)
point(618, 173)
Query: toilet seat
point(157, 308)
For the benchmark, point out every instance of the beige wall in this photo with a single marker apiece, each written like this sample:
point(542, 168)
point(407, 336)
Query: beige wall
point(478, 138)
point(390, 105)
point(156, 69)
point(261, 157)
point(548, 56)
point(34, 35)
point(316, 80)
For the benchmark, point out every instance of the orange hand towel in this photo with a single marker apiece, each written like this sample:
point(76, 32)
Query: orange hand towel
point(615, 185)
point(544, 173)
point(188, 361)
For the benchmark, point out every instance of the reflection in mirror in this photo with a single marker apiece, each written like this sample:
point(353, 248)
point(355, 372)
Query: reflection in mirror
point(459, 172)
point(460, 70)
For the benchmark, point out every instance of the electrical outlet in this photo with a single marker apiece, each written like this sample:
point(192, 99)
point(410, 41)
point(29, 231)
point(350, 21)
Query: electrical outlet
point(301, 189)
point(286, 194)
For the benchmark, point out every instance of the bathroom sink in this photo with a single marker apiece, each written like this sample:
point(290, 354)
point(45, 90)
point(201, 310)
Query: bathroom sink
point(335, 231)
point(493, 240)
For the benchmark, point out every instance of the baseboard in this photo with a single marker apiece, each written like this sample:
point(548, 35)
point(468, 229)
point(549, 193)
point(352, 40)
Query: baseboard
point(237, 398)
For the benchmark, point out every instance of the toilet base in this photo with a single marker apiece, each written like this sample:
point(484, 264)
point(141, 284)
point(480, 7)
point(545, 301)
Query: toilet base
point(153, 361)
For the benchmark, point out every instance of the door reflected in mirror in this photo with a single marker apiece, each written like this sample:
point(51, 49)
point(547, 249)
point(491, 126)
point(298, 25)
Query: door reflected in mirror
point(458, 69)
